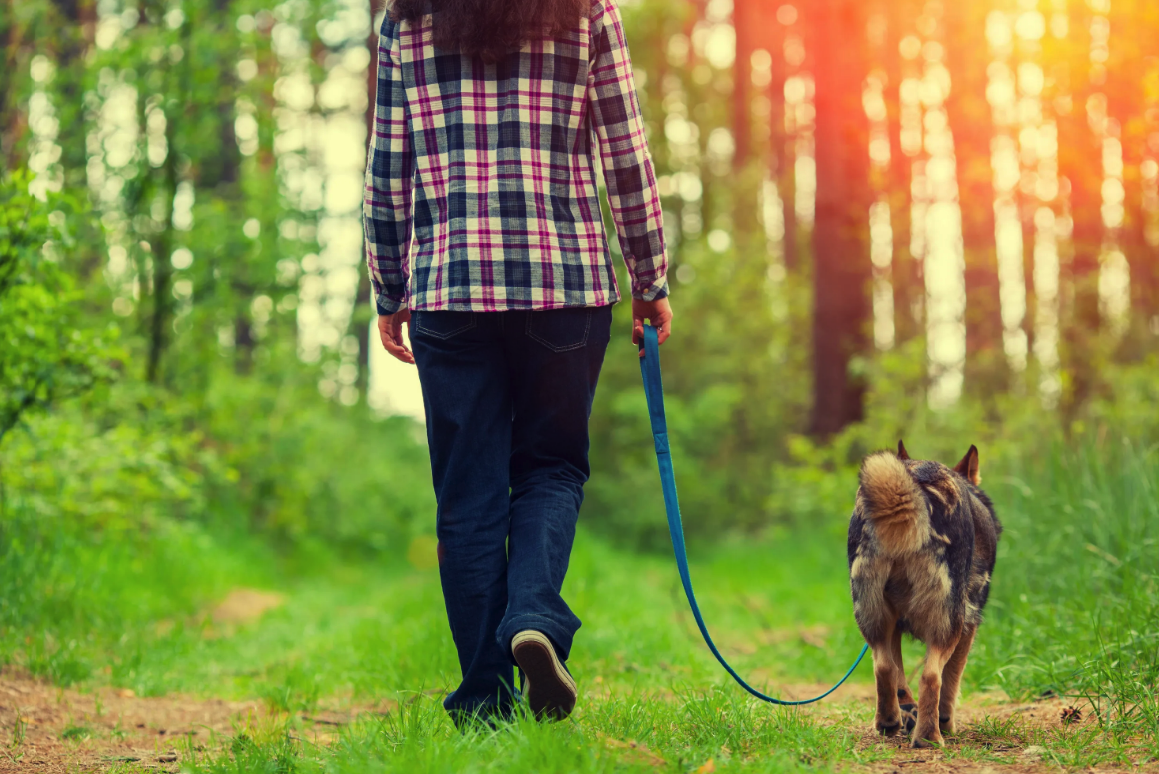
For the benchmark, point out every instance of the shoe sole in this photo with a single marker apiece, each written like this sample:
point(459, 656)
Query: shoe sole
point(551, 691)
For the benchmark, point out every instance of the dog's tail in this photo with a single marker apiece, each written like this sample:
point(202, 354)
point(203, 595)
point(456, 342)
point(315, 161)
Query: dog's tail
point(894, 503)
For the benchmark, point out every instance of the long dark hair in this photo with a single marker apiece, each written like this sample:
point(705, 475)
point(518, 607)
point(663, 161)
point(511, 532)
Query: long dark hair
point(492, 28)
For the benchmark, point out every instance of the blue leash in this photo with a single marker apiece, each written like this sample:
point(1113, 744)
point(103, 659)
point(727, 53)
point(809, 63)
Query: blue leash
point(654, 389)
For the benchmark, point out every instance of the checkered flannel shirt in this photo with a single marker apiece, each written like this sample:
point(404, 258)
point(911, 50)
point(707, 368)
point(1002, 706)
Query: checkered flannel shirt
point(492, 166)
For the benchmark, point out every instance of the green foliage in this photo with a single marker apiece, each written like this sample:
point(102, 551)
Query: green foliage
point(49, 352)
point(304, 470)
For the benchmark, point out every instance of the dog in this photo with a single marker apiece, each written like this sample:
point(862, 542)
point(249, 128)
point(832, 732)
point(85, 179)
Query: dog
point(922, 544)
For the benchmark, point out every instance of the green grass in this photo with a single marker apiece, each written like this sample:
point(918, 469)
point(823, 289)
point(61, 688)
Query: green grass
point(1074, 611)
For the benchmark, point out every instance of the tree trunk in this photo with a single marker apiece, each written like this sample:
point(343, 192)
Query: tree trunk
point(783, 147)
point(1028, 206)
point(972, 127)
point(77, 26)
point(842, 269)
point(905, 271)
point(1080, 156)
point(364, 310)
point(744, 23)
point(162, 248)
point(1128, 104)
point(10, 34)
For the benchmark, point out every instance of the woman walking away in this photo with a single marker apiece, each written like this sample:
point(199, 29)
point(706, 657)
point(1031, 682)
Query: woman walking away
point(487, 124)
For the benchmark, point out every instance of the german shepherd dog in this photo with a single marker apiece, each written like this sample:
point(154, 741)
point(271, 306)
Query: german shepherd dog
point(922, 544)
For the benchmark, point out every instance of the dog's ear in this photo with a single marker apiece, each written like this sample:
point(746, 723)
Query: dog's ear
point(968, 467)
point(902, 454)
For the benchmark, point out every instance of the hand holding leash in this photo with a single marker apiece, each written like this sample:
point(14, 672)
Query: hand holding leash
point(650, 340)
point(658, 312)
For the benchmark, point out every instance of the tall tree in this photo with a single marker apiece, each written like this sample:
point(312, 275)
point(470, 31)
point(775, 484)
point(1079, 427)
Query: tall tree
point(783, 156)
point(76, 20)
point(364, 307)
point(1128, 105)
point(842, 271)
point(1080, 155)
point(906, 271)
point(171, 101)
point(745, 23)
point(972, 128)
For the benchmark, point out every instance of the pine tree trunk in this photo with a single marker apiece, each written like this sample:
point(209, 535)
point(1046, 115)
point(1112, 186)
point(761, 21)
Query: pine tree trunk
point(783, 155)
point(1080, 163)
point(842, 269)
point(1128, 104)
point(972, 127)
point(77, 26)
point(905, 271)
point(1028, 204)
point(364, 310)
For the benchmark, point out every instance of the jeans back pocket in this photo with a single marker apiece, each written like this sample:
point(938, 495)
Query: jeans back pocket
point(443, 324)
point(560, 330)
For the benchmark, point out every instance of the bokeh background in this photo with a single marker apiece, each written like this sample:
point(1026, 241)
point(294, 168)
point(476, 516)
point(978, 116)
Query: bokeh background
point(890, 218)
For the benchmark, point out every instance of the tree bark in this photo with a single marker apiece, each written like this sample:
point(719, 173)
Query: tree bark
point(972, 127)
point(161, 248)
point(1028, 206)
point(744, 23)
point(1128, 104)
point(1080, 156)
point(77, 26)
point(364, 309)
point(842, 269)
point(905, 271)
point(784, 152)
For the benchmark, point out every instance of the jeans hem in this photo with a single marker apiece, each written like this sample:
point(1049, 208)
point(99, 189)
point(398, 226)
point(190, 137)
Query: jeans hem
point(560, 636)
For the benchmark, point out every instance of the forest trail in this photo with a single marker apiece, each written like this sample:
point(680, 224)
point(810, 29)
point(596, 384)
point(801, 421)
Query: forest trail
point(343, 672)
point(55, 730)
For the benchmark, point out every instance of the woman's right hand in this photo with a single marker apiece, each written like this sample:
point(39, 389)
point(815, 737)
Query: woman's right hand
point(658, 312)
point(390, 331)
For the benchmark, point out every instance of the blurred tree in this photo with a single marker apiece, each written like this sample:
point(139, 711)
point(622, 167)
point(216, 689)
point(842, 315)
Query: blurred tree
point(972, 127)
point(906, 270)
point(748, 18)
point(782, 139)
point(1030, 56)
point(14, 21)
point(1127, 103)
point(1080, 164)
point(171, 101)
point(841, 267)
point(76, 26)
point(364, 306)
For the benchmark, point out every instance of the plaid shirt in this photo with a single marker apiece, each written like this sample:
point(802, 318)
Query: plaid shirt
point(492, 166)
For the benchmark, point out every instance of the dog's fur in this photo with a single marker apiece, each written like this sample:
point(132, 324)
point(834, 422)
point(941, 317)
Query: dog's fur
point(922, 544)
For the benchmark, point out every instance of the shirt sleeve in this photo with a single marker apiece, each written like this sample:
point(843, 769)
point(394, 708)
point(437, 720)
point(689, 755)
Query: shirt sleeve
point(628, 172)
point(386, 206)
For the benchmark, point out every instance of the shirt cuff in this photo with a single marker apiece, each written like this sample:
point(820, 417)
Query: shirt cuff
point(656, 289)
point(387, 305)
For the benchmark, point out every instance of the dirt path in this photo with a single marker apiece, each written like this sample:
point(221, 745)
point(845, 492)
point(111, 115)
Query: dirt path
point(50, 730)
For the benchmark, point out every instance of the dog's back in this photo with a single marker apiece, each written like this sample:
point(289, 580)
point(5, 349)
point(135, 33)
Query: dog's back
point(922, 545)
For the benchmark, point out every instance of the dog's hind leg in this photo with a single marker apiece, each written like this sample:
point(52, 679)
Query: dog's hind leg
point(909, 708)
point(889, 720)
point(929, 695)
point(951, 680)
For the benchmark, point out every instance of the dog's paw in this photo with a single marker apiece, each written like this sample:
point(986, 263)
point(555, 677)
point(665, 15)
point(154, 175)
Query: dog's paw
point(947, 725)
point(909, 717)
point(887, 728)
point(932, 740)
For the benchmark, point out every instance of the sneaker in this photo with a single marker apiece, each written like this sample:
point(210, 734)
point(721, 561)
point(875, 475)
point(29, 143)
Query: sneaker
point(549, 689)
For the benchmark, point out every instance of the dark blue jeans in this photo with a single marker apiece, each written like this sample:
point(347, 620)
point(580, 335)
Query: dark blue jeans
point(507, 396)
